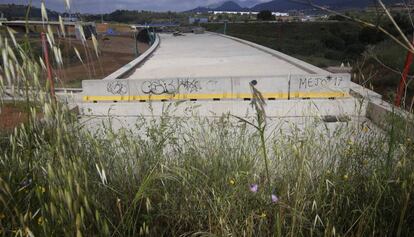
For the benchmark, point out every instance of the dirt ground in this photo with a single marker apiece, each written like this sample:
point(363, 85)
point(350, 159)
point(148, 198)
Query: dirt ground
point(115, 52)
point(11, 116)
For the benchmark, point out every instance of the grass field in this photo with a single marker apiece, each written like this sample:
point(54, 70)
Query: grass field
point(57, 179)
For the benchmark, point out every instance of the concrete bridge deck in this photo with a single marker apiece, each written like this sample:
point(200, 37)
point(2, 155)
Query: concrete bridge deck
point(208, 75)
point(213, 55)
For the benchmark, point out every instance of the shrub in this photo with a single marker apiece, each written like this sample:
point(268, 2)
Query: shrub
point(334, 42)
point(265, 16)
point(369, 35)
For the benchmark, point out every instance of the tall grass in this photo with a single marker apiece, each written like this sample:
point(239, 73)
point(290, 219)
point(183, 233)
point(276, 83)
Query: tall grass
point(194, 177)
point(57, 179)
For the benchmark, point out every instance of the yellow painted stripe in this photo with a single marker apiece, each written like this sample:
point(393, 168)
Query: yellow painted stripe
point(318, 94)
point(105, 98)
point(216, 96)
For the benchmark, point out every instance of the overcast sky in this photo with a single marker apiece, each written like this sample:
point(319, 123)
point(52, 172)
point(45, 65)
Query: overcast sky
point(97, 6)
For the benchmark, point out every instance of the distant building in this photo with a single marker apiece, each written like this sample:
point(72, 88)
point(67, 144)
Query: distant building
point(308, 19)
point(70, 19)
point(233, 13)
point(2, 18)
point(278, 14)
point(296, 13)
point(196, 20)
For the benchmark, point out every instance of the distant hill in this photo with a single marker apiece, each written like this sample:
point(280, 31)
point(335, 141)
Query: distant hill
point(248, 3)
point(223, 6)
point(244, 3)
point(230, 6)
point(200, 9)
point(18, 12)
point(285, 5)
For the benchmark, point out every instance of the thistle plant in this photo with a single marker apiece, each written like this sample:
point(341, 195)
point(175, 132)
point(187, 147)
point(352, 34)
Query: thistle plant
point(258, 103)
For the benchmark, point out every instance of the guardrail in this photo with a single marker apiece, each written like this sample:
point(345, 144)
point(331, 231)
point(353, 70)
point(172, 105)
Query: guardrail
point(134, 63)
point(272, 88)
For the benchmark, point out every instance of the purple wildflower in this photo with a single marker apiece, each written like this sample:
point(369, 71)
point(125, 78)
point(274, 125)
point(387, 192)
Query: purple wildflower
point(254, 188)
point(275, 199)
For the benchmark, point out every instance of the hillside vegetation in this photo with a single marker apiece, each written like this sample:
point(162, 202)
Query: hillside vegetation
point(319, 43)
point(19, 12)
point(331, 43)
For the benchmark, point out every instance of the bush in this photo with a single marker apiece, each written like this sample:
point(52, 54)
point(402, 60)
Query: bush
point(354, 51)
point(369, 35)
point(265, 16)
point(333, 55)
point(334, 42)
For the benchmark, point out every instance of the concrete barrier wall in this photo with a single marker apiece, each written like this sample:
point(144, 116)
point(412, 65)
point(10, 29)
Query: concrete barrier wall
point(317, 86)
point(134, 63)
point(272, 88)
point(384, 115)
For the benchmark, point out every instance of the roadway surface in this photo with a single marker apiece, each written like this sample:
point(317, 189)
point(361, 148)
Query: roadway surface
point(211, 55)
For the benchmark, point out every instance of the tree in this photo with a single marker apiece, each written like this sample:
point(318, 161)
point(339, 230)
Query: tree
point(369, 35)
point(265, 16)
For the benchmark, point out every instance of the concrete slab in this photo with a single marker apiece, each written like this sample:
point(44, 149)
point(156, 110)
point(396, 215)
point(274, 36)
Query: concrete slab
point(274, 109)
point(272, 88)
point(210, 55)
point(325, 132)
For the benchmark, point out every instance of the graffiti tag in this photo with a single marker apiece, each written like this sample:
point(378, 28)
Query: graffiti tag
point(159, 87)
point(117, 87)
point(313, 82)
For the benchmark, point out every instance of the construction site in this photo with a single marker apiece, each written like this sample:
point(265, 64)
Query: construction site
point(162, 129)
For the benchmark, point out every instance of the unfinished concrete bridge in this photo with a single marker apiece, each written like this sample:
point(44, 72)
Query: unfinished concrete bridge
point(212, 74)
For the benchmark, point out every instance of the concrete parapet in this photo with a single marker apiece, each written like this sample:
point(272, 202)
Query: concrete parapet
point(272, 88)
point(274, 109)
point(382, 114)
point(134, 63)
point(362, 92)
